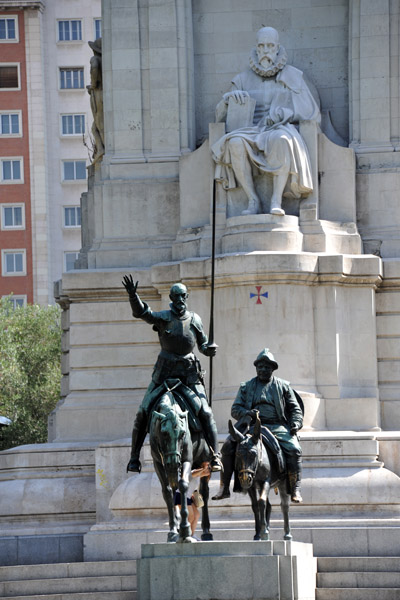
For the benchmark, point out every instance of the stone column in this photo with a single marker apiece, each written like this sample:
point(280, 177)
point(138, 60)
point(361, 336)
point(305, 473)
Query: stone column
point(374, 121)
point(149, 123)
point(370, 76)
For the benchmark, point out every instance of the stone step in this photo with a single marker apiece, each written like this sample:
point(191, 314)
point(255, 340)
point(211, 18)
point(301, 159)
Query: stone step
point(357, 594)
point(353, 564)
point(358, 578)
point(373, 579)
point(78, 585)
point(125, 595)
point(60, 570)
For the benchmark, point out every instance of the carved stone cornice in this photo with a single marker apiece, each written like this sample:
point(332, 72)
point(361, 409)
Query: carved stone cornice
point(22, 4)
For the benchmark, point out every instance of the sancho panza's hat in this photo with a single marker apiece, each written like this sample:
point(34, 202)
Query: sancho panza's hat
point(267, 356)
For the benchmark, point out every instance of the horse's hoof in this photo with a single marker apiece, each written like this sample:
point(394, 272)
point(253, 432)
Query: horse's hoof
point(257, 538)
point(187, 540)
point(265, 537)
point(288, 537)
point(172, 537)
point(207, 537)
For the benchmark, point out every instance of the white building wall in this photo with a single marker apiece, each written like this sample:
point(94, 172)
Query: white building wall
point(37, 150)
point(65, 54)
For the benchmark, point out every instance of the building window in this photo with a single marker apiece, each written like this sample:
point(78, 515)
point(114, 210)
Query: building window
point(72, 124)
point(69, 260)
point(70, 31)
point(74, 170)
point(12, 216)
point(97, 29)
point(71, 79)
point(13, 262)
point(11, 170)
point(9, 77)
point(16, 301)
point(72, 216)
point(9, 29)
point(10, 124)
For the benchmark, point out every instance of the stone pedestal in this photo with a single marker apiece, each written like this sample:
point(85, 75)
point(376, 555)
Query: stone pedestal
point(227, 571)
point(261, 232)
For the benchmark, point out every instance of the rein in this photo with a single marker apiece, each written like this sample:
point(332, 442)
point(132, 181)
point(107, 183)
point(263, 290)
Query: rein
point(259, 458)
point(170, 415)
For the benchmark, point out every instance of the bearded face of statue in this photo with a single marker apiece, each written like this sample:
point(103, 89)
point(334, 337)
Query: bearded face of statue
point(178, 295)
point(267, 46)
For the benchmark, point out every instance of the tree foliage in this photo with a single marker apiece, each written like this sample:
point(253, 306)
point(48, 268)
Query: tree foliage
point(30, 373)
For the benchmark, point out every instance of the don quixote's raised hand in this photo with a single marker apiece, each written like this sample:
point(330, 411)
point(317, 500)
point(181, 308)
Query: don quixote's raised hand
point(128, 284)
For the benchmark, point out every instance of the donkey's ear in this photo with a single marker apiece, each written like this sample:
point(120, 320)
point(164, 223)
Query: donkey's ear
point(257, 431)
point(235, 433)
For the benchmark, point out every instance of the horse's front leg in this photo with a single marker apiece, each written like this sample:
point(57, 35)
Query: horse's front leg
point(254, 505)
point(168, 496)
point(206, 536)
point(285, 504)
point(263, 507)
point(184, 529)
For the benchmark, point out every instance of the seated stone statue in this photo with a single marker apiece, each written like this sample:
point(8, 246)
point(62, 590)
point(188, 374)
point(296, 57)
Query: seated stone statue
point(179, 331)
point(270, 143)
point(279, 410)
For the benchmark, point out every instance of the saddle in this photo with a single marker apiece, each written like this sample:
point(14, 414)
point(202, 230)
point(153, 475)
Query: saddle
point(270, 441)
point(183, 396)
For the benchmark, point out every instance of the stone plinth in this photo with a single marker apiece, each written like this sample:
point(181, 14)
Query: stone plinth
point(261, 232)
point(227, 571)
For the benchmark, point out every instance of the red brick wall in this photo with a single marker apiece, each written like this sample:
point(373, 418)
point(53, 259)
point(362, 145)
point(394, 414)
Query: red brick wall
point(17, 193)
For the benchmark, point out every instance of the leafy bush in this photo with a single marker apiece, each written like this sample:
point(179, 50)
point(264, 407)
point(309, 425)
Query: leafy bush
point(30, 373)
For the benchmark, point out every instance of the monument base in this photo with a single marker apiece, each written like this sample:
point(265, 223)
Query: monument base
point(227, 571)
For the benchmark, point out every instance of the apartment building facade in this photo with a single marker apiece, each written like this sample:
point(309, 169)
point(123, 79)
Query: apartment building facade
point(45, 144)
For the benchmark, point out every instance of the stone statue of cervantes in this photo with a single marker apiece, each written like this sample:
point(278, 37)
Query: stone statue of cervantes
point(267, 102)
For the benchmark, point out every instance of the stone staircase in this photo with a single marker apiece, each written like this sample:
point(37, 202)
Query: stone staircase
point(338, 578)
point(358, 578)
point(107, 580)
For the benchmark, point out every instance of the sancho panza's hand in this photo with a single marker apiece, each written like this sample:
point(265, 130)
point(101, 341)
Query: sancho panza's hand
point(128, 284)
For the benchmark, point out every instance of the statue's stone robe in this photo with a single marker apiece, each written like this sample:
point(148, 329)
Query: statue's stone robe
point(273, 143)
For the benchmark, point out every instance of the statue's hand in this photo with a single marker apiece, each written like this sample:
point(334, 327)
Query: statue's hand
point(253, 414)
point(247, 419)
point(128, 284)
point(239, 96)
point(210, 350)
point(294, 429)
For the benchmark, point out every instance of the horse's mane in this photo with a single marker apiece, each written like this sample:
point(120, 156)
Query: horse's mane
point(167, 404)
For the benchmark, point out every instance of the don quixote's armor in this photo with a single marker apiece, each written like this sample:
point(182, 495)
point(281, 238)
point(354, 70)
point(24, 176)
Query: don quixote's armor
point(179, 332)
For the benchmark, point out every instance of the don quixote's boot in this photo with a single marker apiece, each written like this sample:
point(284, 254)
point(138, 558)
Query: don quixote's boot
point(294, 468)
point(139, 432)
point(228, 462)
point(211, 436)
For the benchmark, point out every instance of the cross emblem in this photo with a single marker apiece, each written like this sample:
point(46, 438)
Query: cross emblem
point(259, 294)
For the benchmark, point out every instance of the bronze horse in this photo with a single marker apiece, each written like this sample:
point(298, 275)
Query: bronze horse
point(255, 468)
point(175, 450)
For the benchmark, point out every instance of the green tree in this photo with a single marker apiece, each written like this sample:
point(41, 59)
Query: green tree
point(30, 373)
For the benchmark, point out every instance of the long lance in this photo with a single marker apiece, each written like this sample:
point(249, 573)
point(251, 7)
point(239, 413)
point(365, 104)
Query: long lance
point(211, 330)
